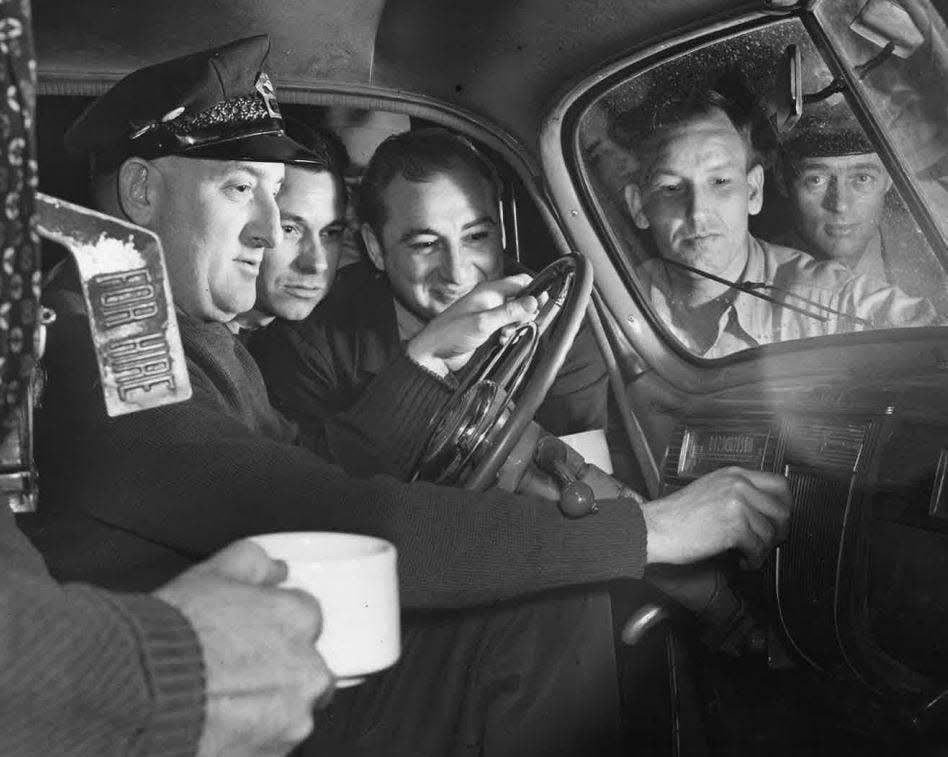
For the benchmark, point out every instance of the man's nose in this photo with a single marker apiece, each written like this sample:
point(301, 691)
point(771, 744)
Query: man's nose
point(264, 229)
point(838, 196)
point(699, 203)
point(454, 267)
point(312, 258)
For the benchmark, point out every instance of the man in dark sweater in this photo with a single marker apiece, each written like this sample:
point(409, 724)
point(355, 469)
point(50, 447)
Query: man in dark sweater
point(218, 661)
point(300, 269)
point(137, 497)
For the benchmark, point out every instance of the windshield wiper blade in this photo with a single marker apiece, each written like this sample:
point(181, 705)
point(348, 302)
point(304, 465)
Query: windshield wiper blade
point(752, 287)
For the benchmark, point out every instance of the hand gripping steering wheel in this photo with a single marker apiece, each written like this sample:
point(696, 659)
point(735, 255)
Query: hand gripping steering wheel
point(506, 383)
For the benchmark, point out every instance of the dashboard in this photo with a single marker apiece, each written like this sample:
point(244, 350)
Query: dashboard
point(859, 587)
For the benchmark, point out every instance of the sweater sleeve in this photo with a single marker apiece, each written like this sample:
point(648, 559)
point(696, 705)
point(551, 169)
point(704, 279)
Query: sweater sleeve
point(386, 429)
point(195, 480)
point(379, 429)
point(88, 672)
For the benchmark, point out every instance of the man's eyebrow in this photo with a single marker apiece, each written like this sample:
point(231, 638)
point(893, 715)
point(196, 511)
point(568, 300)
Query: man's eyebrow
point(479, 222)
point(237, 166)
point(814, 165)
point(295, 217)
point(658, 172)
point(821, 166)
point(866, 167)
point(417, 233)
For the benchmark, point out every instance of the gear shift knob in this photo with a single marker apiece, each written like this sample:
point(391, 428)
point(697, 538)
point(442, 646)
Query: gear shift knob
point(576, 497)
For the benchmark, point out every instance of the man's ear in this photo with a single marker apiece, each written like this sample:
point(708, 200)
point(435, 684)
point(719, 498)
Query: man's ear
point(372, 246)
point(138, 191)
point(633, 203)
point(755, 189)
point(888, 181)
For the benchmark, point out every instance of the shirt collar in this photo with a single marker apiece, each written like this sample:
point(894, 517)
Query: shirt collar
point(871, 263)
point(747, 321)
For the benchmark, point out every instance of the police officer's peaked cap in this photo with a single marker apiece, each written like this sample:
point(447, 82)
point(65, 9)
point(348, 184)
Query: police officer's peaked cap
point(826, 130)
point(217, 104)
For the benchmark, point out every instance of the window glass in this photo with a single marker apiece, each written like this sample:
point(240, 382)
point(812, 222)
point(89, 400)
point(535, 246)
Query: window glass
point(898, 54)
point(742, 220)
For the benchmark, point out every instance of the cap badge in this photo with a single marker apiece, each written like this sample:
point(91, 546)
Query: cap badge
point(264, 86)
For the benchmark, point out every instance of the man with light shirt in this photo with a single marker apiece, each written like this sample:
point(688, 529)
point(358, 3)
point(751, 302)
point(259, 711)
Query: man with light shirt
point(843, 209)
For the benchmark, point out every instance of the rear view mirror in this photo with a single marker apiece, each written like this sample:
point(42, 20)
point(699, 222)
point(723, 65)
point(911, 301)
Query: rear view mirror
point(786, 100)
point(885, 22)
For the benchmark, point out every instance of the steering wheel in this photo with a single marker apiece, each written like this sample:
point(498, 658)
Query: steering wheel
point(506, 382)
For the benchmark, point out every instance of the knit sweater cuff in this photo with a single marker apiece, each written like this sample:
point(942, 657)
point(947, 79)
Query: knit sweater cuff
point(399, 406)
point(173, 661)
point(638, 540)
point(609, 544)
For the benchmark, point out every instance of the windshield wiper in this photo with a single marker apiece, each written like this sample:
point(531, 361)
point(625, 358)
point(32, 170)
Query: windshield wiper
point(752, 288)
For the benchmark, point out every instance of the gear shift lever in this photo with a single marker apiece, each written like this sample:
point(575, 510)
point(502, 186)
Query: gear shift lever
point(576, 497)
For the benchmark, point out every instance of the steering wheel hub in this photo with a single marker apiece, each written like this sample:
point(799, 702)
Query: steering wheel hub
point(507, 382)
point(462, 431)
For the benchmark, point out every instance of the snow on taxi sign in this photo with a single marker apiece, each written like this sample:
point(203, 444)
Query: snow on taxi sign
point(128, 300)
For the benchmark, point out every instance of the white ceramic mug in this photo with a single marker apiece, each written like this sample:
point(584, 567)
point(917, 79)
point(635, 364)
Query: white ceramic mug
point(355, 580)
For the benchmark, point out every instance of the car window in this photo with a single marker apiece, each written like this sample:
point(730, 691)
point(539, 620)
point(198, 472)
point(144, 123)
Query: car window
point(897, 53)
point(742, 220)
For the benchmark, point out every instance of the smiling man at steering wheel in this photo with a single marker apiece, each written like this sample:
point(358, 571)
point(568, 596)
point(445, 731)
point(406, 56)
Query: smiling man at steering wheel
point(429, 205)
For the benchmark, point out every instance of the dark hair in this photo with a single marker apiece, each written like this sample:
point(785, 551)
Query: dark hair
point(642, 129)
point(331, 154)
point(417, 156)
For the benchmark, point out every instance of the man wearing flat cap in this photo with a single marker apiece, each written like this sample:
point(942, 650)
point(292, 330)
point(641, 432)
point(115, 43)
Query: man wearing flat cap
point(843, 207)
point(194, 150)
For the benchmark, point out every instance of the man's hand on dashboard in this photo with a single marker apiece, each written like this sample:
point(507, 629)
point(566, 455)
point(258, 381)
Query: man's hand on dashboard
point(731, 508)
point(447, 341)
point(263, 673)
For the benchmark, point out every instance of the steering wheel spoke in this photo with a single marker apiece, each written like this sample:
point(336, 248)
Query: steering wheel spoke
point(507, 382)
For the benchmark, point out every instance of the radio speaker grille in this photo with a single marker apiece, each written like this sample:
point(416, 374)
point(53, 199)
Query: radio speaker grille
point(806, 562)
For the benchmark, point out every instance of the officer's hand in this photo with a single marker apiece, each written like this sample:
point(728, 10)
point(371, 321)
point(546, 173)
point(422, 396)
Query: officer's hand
point(731, 508)
point(264, 675)
point(447, 341)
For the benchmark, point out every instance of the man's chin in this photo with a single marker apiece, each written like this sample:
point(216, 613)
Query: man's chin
point(294, 311)
point(847, 254)
point(708, 260)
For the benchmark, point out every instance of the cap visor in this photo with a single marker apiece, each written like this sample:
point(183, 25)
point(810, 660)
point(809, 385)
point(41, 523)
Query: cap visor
point(261, 148)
